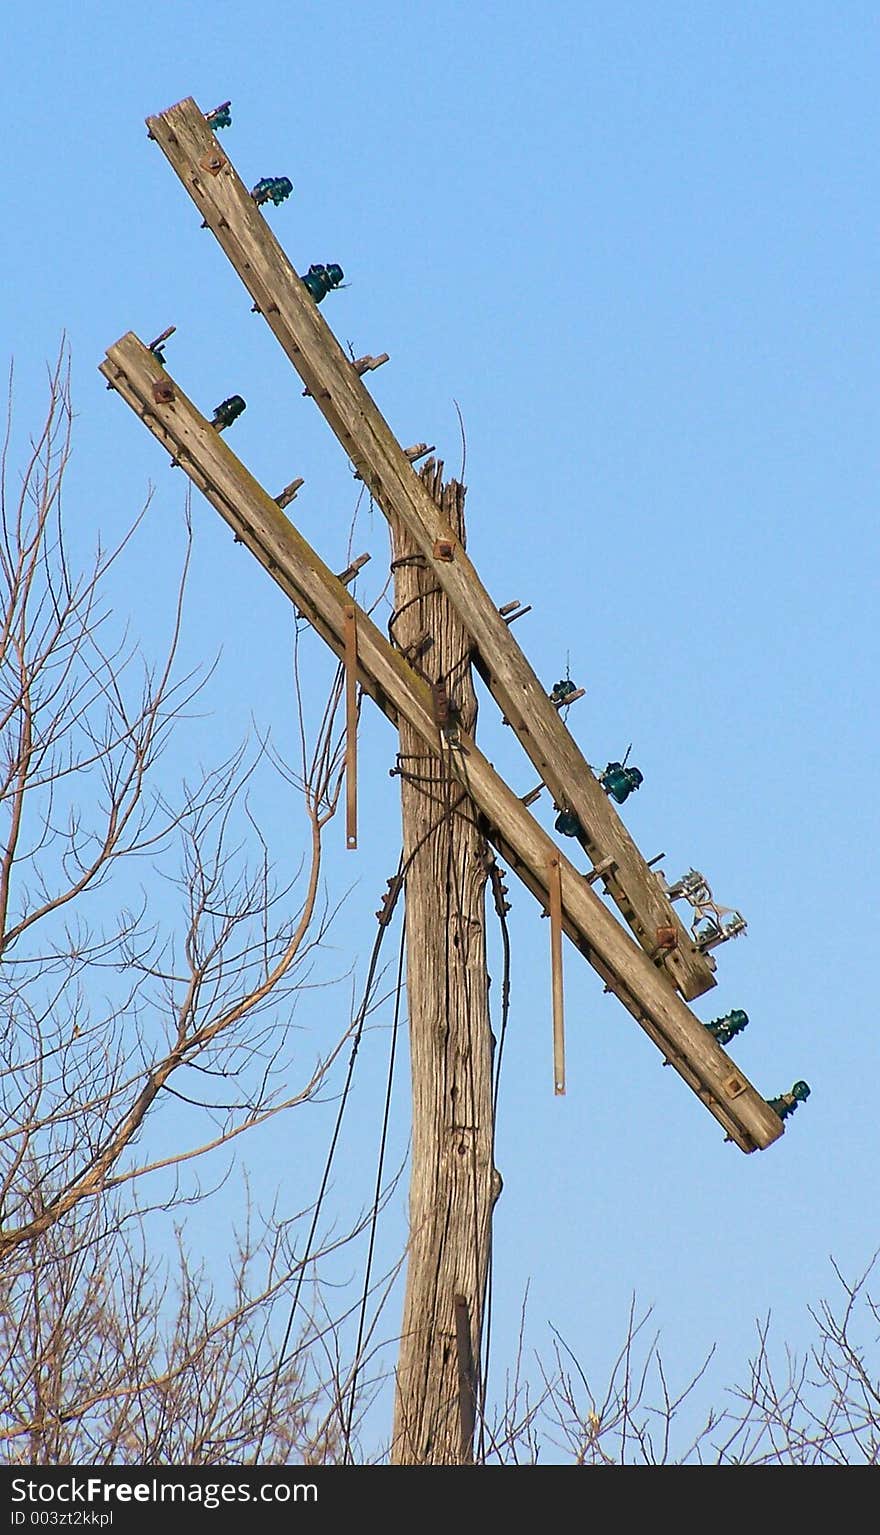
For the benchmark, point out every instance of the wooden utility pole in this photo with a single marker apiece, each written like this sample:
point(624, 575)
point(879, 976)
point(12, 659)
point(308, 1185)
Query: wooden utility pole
point(452, 798)
point(452, 1176)
point(259, 524)
point(337, 387)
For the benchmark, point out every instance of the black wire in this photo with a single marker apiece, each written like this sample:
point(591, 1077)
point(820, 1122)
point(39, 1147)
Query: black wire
point(391, 900)
point(429, 786)
point(377, 1195)
point(447, 784)
point(453, 884)
point(496, 1065)
point(374, 959)
point(505, 1007)
point(448, 781)
point(397, 613)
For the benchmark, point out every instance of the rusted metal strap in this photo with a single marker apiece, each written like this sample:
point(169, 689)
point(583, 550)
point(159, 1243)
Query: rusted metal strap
point(467, 1396)
point(554, 886)
point(351, 724)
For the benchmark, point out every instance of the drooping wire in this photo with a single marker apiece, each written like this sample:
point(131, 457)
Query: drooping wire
point(505, 1003)
point(358, 1032)
point(394, 893)
point(449, 788)
point(450, 781)
point(463, 441)
point(452, 800)
point(378, 1191)
point(501, 909)
point(454, 884)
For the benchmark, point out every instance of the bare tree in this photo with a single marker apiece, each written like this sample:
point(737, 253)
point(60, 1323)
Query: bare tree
point(110, 1355)
point(191, 1008)
point(822, 1408)
point(150, 960)
point(819, 1408)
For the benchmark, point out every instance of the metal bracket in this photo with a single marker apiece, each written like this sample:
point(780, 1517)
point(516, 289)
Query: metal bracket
point(467, 1397)
point(212, 162)
point(389, 900)
point(712, 924)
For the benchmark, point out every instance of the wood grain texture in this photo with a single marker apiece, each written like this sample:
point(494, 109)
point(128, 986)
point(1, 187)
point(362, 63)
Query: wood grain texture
point(451, 1161)
point(339, 392)
point(384, 674)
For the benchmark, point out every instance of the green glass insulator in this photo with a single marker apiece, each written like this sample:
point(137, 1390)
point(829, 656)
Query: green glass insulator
point(320, 279)
point(228, 411)
point(282, 188)
point(725, 1029)
point(562, 690)
point(221, 117)
point(272, 189)
point(620, 781)
point(314, 281)
point(568, 825)
point(788, 1102)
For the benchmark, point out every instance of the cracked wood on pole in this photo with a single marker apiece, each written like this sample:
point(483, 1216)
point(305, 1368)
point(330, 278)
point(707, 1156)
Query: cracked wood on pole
point(229, 211)
point(452, 1178)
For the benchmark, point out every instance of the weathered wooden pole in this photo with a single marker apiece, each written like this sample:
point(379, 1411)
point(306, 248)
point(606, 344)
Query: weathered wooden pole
point(453, 1181)
point(336, 385)
point(402, 693)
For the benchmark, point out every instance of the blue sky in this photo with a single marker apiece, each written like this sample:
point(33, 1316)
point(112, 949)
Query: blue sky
point(637, 245)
